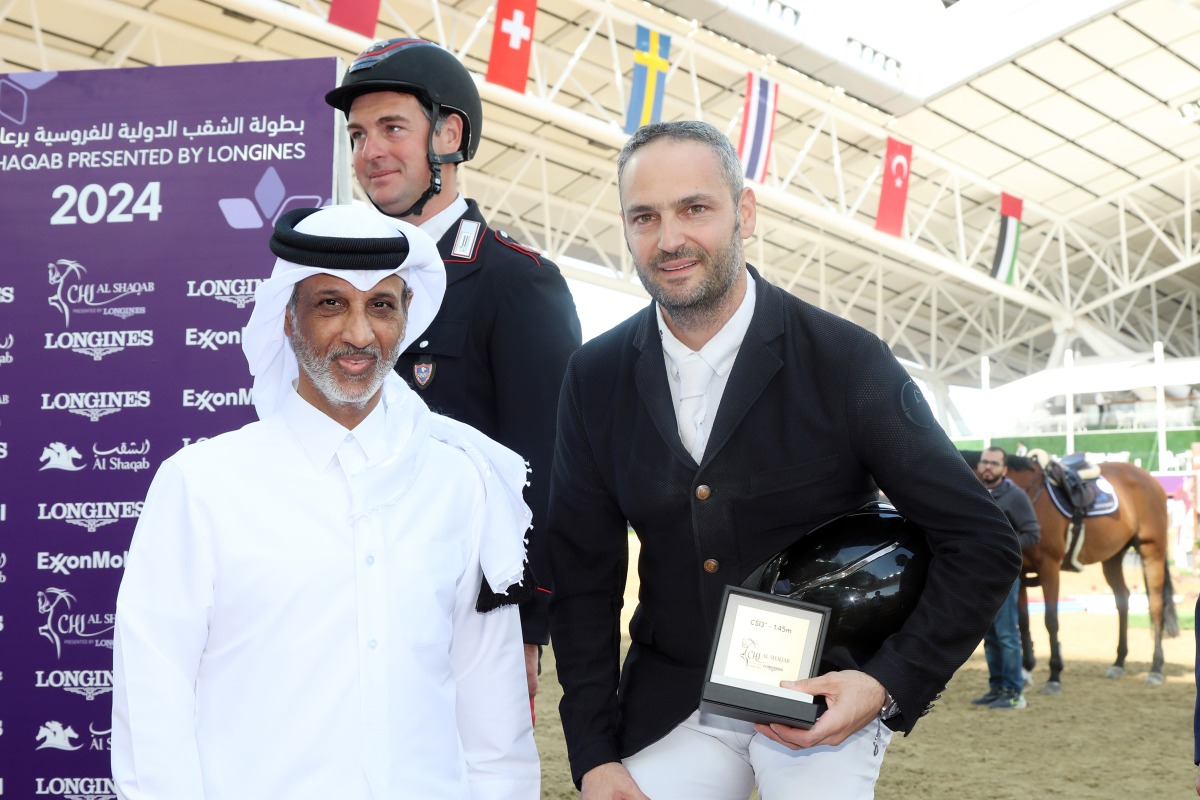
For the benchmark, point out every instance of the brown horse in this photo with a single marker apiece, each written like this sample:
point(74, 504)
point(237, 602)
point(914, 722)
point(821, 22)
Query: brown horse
point(1140, 521)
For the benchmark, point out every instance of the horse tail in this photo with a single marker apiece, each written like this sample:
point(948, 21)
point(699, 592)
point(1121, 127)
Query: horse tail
point(1170, 620)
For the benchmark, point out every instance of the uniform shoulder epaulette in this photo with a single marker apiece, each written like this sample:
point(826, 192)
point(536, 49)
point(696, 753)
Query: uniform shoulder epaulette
point(505, 239)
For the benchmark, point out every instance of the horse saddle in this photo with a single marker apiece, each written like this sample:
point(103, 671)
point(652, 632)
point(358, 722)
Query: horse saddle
point(1076, 485)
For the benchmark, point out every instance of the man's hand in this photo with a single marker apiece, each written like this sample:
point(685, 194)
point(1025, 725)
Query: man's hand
point(610, 781)
point(531, 669)
point(854, 699)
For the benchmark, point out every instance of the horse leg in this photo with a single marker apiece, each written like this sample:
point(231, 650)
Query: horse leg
point(1116, 581)
point(1028, 659)
point(1154, 572)
point(1050, 593)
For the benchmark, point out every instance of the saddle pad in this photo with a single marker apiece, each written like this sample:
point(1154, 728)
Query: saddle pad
point(1106, 501)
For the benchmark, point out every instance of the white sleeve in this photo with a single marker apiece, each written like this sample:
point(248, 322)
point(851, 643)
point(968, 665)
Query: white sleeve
point(495, 722)
point(163, 611)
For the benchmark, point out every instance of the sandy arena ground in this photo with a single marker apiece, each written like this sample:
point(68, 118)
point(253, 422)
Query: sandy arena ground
point(1100, 740)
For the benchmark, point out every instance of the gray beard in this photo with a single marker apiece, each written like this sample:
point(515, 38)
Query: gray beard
point(318, 370)
point(706, 303)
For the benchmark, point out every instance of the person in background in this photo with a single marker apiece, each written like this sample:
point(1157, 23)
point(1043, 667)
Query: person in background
point(299, 613)
point(1101, 404)
point(1002, 642)
point(722, 423)
point(495, 354)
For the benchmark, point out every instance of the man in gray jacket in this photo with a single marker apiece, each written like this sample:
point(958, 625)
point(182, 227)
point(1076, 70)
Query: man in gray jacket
point(1002, 642)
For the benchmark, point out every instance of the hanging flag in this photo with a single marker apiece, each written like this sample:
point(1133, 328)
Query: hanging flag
point(1005, 262)
point(893, 195)
point(758, 126)
point(359, 16)
point(649, 78)
point(512, 42)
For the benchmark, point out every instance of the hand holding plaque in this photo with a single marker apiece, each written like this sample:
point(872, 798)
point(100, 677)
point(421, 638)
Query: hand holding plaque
point(763, 639)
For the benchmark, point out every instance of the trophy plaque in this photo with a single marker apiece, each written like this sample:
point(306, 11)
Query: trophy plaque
point(763, 639)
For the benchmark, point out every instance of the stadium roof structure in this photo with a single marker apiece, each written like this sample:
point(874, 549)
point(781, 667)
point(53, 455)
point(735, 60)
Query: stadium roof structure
point(1086, 110)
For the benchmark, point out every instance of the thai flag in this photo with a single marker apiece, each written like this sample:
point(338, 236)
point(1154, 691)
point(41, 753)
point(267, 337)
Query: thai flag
point(758, 125)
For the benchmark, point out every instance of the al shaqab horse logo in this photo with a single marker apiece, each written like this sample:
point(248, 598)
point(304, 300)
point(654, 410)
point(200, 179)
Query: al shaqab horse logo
point(54, 735)
point(60, 456)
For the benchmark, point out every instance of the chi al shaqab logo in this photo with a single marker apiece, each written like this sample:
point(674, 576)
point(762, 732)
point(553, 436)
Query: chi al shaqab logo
point(72, 294)
point(749, 651)
point(755, 659)
point(60, 456)
point(62, 628)
point(54, 735)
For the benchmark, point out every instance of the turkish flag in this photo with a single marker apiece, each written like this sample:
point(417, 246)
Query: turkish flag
point(893, 196)
point(359, 16)
point(512, 42)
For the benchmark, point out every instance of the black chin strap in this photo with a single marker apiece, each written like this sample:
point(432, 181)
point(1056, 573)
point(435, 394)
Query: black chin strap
point(435, 167)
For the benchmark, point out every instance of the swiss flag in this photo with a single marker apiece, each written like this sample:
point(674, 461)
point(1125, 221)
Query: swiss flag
point(893, 195)
point(359, 16)
point(512, 42)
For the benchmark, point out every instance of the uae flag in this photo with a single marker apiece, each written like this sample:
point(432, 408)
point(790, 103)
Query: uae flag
point(758, 126)
point(1005, 262)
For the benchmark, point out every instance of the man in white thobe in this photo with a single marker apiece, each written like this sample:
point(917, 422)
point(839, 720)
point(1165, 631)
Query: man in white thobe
point(298, 615)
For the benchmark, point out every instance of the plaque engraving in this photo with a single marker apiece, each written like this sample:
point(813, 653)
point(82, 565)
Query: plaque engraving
point(763, 639)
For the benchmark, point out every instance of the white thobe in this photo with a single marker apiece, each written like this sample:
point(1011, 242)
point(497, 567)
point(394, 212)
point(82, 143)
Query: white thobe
point(282, 632)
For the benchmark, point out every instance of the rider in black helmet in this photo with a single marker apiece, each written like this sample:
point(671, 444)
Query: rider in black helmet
point(439, 83)
point(495, 355)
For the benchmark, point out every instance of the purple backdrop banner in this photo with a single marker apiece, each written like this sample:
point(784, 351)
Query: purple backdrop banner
point(136, 209)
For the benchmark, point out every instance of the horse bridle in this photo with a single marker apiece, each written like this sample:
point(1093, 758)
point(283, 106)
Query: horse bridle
point(1039, 477)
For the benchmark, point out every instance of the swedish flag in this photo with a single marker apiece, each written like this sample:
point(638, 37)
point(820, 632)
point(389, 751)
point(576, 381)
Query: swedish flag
point(650, 67)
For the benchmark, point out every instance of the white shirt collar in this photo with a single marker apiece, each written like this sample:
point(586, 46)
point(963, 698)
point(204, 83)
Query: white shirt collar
point(720, 351)
point(321, 436)
point(437, 225)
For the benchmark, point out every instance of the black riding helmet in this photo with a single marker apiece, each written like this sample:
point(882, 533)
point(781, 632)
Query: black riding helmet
point(431, 74)
point(867, 566)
